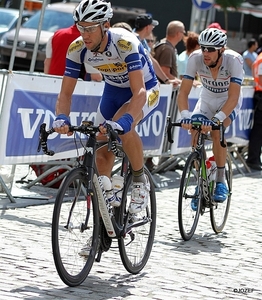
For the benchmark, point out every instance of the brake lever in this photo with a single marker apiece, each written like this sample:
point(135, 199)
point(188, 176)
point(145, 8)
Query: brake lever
point(43, 135)
point(222, 136)
point(168, 130)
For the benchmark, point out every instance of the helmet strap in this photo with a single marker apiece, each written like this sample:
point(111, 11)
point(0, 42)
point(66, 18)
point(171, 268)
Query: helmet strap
point(218, 57)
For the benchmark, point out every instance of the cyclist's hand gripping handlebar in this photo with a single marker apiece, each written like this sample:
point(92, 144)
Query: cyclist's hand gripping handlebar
point(87, 127)
point(219, 127)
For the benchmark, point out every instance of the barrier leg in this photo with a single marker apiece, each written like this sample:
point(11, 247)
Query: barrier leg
point(6, 190)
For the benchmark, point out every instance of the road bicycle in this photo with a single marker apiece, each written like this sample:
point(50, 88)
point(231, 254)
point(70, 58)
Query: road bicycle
point(83, 216)
point(195, 185)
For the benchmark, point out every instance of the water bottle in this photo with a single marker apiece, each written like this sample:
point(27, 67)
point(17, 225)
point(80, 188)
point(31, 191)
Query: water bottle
point(211, 168)
point(118, 183)
point(111, 197)
point(110, 189)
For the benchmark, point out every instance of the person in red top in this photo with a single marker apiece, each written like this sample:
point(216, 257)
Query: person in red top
point(56, 50)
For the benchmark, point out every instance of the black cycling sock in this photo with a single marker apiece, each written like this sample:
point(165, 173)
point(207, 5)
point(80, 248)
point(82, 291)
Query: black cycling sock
point(139, 175)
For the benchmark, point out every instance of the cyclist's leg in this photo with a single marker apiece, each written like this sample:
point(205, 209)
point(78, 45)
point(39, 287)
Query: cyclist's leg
point(220, 153)
point(112, 99)
point(133, 147)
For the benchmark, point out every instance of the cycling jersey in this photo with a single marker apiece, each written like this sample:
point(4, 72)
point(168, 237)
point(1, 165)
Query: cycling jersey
point(123, 54)
point(214, 92)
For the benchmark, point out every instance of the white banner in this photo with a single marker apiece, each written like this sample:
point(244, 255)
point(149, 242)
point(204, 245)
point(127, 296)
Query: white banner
point(30, 101)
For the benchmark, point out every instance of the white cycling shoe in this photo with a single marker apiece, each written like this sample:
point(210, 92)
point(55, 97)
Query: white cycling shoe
point(139, 197)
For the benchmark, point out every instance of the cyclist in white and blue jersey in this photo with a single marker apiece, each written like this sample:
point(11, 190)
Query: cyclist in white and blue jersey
point(220, 71)
point(131, 88)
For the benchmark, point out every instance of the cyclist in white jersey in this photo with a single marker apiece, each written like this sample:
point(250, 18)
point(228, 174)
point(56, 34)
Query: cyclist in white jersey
point(131, 88)
point(221, 73)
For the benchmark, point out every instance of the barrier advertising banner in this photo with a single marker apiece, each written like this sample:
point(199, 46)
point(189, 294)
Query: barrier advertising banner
point(30, 101)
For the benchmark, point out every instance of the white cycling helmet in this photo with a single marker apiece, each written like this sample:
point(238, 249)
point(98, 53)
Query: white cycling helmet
point(212, 37)
point(93, 11)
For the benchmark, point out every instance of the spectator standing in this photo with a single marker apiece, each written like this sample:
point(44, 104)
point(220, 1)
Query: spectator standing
point(165, 50)
point(250, 56)
point(259, 49)
point(151, 40)
point(255, 138)
point(144, 25)
point(191, 44)
point(123, 25)
point(216, 26)
point(56, 51)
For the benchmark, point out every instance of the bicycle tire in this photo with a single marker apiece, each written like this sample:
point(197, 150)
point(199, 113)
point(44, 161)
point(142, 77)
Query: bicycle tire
point(68, 233)
point(135, 246)
point(189, 189)
point(219, 212)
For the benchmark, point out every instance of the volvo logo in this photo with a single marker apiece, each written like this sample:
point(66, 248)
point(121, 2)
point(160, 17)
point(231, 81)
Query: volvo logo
point(22, 44)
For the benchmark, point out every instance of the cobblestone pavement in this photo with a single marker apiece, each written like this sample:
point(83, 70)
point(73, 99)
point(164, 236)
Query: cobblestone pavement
point(210, 266)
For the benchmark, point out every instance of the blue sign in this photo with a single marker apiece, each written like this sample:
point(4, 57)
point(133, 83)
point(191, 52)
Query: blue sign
point(203, 4)
point(30, 109)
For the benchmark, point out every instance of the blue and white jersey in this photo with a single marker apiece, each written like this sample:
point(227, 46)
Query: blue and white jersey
point(123, 54)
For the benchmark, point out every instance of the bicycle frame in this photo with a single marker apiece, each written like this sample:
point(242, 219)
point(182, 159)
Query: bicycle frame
point(207, 186)
point(84, 223)
point(109, 219)
point(196, 195)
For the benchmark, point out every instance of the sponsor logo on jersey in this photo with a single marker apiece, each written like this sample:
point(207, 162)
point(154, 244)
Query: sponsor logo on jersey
point(75, 46)
point(112, 68)
point(153, 98)
point(124, 45)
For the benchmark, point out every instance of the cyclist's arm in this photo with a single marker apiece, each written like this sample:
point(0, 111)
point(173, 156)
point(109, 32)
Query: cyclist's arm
point(232, 100)
point(138, 100)
point(182, 97)
point(63, 103)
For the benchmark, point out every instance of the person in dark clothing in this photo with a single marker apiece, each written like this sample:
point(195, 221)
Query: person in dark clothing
point(255, 138)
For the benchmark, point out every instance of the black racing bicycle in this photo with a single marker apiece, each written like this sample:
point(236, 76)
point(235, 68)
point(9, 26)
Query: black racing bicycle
point(197, 190)
point(83, 217)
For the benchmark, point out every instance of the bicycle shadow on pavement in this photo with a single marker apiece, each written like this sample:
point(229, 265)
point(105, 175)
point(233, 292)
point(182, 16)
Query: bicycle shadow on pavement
point(27, 221)
point(207, 242)
point(94, 287)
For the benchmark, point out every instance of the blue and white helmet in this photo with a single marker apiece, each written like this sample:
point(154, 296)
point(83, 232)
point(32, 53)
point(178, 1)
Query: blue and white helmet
point(212, 37)
point(93, 11)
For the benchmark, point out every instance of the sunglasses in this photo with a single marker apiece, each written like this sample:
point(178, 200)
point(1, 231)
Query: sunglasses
point(150, 41)
point(89, 29)
point(209, 49)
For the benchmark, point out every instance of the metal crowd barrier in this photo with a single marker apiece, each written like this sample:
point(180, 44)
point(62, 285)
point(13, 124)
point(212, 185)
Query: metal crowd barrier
point(167, 161)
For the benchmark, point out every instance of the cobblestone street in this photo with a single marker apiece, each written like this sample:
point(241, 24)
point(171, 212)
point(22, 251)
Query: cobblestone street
point(210, 266)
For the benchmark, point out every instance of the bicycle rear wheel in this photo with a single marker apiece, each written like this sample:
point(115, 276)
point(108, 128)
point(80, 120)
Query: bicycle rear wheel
point(219, 212)
point(189, 191)
point(136, 244)
point(75, 224)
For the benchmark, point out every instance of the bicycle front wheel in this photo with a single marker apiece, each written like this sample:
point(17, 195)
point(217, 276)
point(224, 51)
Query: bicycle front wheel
point(75, 226)
point(189, 201)
point(136, 244)
point(219, 211)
